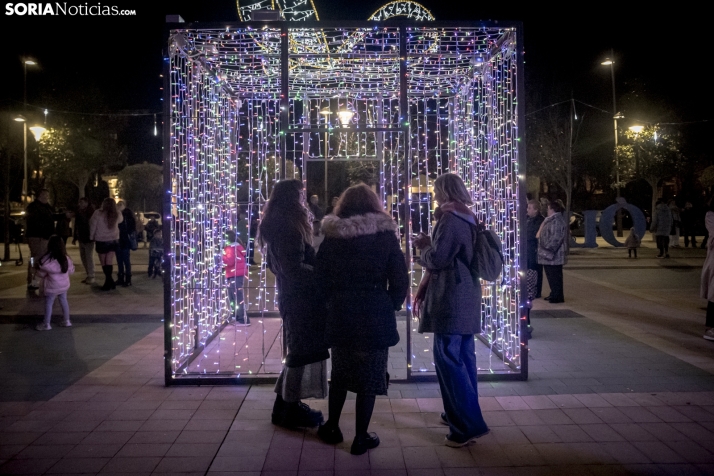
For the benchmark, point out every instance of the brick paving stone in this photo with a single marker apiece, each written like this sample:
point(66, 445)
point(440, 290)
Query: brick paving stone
point(691, 451)
point(664, 431)
point(619, 400)
point(554, 417)
point(433, 405)
point(498, 418)
point(404, 405)
point(591, 453)
point(144, 449)
point(60, 438)
point(668, 414)
point(420, 457)
point(633, 432)
point(592, 400)
point(658, 452)
point(79, 465)
point(239, 465)
point(512, 403)
point(611, 415)
point(131, 465)
point(539, 402)
point(625, 453)
point(540, 434)
point(695, 413)
point(523, 455)
point(120, 425)
point(509, 436)
point(489, 404)
point(95, 451)
point(44, 451)
point(454, 457)
point(582, 416)
point(386, 458)
point(183, 465)
point(601, 432)
point(694, 431)
point(525, 417)
point(27, 466)
point(570, 433)
point(640, 415)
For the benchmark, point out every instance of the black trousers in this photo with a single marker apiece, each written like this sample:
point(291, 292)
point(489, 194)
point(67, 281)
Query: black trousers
point(554, 273)
point(663, 244)
point(710, 314)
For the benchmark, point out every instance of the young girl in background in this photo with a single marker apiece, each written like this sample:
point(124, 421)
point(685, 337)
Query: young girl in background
point(234, 262)
point(55, 268)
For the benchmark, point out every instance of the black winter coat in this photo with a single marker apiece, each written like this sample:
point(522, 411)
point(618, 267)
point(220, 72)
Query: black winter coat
point(301, 306)
point(363, 273)
point(40, 220)
point(128, 225)
point(532, 227)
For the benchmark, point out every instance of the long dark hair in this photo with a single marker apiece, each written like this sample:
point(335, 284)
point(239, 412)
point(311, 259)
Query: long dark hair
point(57, 252)
point(284, 211)
point(358, 200)
point(109, 207)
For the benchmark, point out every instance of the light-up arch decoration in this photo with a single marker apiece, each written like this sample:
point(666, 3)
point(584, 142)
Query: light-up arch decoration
point(292, 10)
point(411, 10)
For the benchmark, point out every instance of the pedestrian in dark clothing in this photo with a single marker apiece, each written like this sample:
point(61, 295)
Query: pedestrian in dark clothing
point(661, 227)
point(40, 225)
point(127, 240)
point(285, 233)
point(535, 271)
point(707, 278)
point(688, 223)
point(632, 242)
point(551, 250)
point(81, 234)
point(151, 228)
point(63, 228)
point(363, 273)
point(331, 209)
point(450, 307)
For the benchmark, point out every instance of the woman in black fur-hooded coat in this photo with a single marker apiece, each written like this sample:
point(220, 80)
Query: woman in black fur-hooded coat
point(285, 235)
point(363, 273)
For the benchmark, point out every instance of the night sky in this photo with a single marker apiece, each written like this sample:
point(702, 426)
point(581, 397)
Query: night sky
point(109, 65)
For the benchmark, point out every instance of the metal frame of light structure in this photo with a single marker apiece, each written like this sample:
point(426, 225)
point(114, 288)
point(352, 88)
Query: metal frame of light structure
point(425, 103)
point(615, 116)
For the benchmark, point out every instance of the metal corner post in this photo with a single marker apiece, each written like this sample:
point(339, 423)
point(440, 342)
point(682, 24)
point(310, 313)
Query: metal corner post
point(404, 119)
point(521, 144)
point(167, 216)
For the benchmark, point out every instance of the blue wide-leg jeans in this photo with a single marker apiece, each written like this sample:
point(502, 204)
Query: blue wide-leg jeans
point(455, 363)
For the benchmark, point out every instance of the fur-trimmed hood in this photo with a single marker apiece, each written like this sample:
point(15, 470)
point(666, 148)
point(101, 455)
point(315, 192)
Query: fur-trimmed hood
point(357, 225)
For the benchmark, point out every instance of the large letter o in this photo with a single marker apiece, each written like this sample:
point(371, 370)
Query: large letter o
point(608, 218)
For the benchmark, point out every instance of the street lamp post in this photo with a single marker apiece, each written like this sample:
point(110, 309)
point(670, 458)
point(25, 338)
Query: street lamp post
point(25, 63)
point(615, 115)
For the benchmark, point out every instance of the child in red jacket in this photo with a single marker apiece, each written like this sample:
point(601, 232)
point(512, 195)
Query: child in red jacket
point(234, 263)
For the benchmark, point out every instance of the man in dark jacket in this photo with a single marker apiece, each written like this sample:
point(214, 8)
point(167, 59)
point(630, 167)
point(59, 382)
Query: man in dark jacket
point(81, 234)
point(40, 226)
point(127, 228)
point(532, 226)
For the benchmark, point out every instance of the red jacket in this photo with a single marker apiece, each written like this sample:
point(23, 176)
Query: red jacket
point(234, 260)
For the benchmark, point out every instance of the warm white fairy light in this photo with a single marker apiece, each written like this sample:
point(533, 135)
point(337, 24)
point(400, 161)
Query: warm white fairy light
point(227, 151)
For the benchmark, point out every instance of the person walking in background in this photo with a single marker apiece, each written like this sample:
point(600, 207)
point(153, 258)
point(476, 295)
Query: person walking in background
point(315, 208)
point(450, 307)
point(676, 224)
point(127, 243)
point(331, 209)
point(55, 267)
point(156, 253)
point(688, 221)
point(63, 229)
point(140, 236)
point(82, 234)
point(151, 228)
point(534, 274)
point(551, 250)
point(104, 230)
point(362, 271)
point(285, 234)
point(632, 242)
point(235, 265)
point(707, 279)
point(40, 225)
point(661, 227)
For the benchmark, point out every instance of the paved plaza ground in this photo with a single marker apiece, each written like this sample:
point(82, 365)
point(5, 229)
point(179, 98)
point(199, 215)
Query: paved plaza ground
point(620, 382)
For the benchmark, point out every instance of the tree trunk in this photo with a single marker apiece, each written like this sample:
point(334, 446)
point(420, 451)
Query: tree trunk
point(653, 185)
point(82, 179)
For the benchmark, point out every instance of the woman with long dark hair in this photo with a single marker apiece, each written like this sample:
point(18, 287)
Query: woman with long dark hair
point(104, 230)
point(55, 267)
point(363, 273)
point(451, 308)
point(285, 235)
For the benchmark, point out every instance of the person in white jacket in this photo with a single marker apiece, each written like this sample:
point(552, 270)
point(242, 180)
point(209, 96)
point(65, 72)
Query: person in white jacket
point(54, 268)
point(104, 230)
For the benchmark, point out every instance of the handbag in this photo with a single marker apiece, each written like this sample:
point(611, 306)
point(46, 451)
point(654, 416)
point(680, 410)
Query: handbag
point(133, 243)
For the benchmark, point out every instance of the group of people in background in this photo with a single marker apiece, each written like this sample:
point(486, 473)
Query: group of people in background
point(341, 302)
point(110, 230)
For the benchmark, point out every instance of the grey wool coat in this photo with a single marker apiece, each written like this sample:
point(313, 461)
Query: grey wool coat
point(661, 220)
point(452, 304)
point(551, 244)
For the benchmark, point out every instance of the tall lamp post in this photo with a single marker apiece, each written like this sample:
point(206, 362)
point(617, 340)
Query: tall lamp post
point(615, 116)
point(25, 63)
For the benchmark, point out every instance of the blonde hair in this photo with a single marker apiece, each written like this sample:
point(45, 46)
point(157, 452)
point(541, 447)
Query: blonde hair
point(453, 188)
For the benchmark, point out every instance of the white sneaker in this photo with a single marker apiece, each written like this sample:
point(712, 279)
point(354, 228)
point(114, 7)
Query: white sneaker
point(709, 334)
point(43, 327)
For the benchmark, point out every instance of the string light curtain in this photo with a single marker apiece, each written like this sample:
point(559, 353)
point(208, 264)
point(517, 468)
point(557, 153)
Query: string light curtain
point(234, 133)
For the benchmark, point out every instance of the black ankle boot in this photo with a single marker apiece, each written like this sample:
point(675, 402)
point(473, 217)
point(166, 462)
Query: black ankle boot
point(127, 280)
point(108, 282)
point(120, 279)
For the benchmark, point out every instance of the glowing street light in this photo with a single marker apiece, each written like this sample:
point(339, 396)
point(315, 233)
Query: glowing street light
point(636, 129)
point(37, 131)
point(345, 117)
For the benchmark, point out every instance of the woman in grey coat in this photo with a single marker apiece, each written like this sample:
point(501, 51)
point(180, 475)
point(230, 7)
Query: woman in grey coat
point(551, 250)
point(451, 305)
point(661, 227)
